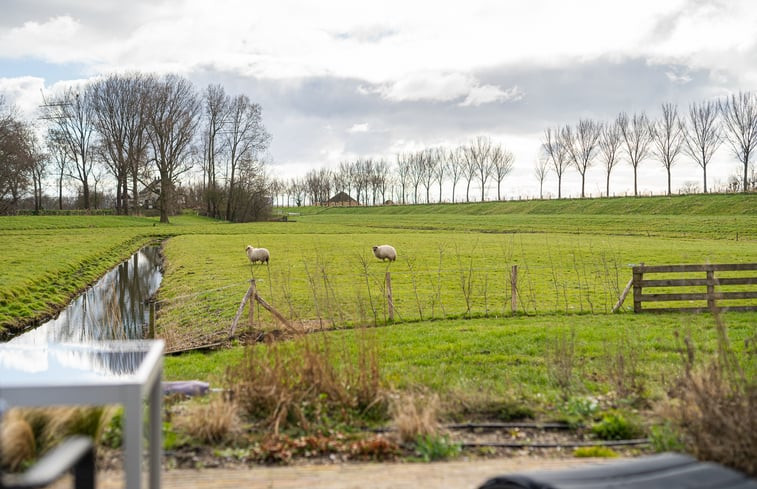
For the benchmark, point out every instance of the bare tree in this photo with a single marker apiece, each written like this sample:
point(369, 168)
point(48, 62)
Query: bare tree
point(417, 171)
point(439, 168)
point(555, 149)
point(71, 119)
point(172, 118)
point(118, 107)
point(739, 114)
point(246, 139)
point(480, 153)
point(404, 161)
point(541, 170)
point(610, 141)
point(636, 138)
point(216, 106)
point(381, 178)
point(667, 138)
point(15, 166)
point(454, 161)
point(428, 164)
point(502, 165)
point(702, 134)
point(362, 169)
point(36, 163)
point(581, 146)
point(58, 155)
point(469, 168)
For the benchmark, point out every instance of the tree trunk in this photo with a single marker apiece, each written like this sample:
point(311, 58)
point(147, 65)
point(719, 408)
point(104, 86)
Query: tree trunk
point(669, 193)
point(583, 185)
point(635, 188)
point(163, 198)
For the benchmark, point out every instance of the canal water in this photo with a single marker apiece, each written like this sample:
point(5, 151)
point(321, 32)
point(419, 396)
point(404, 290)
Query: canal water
point(115, 308)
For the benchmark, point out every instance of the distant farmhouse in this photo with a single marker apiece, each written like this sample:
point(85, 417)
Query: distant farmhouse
point(341, 199)
point(150, 195)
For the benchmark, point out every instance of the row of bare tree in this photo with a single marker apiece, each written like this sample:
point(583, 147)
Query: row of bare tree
point(21, 161)
point(696, 134)
point(589, 143)
point(371, 181)
point(143, 131)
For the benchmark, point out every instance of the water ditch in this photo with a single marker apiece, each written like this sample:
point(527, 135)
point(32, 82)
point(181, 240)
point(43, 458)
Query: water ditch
point(114, 308)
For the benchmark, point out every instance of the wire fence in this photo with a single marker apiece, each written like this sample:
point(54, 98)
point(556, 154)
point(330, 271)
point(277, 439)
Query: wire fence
point(322, 297)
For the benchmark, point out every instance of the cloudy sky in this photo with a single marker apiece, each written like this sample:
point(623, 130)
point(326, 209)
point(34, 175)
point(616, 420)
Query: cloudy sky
point(342, 79)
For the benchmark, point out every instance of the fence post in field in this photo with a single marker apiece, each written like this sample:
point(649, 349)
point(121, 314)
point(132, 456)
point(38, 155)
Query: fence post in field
point(249, 296)
point(514, 289)
point(151, 321)
point(623, 295)
point(253, 293)
point(637, 277)
point(389, 297)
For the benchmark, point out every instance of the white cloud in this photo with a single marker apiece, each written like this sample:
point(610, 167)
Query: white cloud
point(428, 86)
point(358, 128)
point(679, 78)
point(489, 93)
point(23, 92)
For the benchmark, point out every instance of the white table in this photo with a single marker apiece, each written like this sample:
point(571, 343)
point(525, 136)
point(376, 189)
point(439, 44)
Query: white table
point(114, 372)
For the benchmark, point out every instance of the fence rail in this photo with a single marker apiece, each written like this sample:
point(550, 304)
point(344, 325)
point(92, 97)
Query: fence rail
point(710, 281)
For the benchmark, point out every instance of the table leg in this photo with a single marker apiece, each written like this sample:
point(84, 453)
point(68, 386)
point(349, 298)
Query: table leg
point(156, 431)
point(133, 439)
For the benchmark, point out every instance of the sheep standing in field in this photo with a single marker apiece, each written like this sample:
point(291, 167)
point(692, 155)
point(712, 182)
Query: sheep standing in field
point(385, 252)
point(258, 255)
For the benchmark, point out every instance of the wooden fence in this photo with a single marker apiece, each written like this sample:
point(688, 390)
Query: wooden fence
point(698, 276)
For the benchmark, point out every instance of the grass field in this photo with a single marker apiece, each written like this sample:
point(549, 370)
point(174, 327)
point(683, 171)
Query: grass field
point(454, 328)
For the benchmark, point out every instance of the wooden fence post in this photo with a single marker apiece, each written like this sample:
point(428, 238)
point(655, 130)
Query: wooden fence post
point(638, 275)
point(249, 295)
point(389, 297)
point(514, 289)
point(254, 288)
point(622, 297)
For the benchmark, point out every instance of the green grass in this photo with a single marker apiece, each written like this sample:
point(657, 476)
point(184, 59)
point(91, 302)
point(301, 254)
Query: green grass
point(454, 261)
point(703, 205)
point(505, 357)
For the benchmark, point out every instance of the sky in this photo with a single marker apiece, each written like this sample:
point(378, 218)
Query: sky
point(338, 80)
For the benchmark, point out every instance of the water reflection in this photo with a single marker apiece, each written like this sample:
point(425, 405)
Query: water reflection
point(115, 308)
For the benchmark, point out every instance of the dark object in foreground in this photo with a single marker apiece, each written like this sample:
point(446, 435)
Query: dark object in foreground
point(75, 454)
point(663, 471)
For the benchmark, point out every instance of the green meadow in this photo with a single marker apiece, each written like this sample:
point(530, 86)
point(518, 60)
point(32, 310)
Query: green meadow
point(454, 329)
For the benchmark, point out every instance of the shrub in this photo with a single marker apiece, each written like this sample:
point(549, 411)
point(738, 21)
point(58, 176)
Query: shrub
point(713, 406)
point(299, 383)
point(665, 438)
point(614, 426)
point(430, 448)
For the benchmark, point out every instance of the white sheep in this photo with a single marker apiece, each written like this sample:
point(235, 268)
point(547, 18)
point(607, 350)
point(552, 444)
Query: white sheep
point(258, 254)
point(385, 252)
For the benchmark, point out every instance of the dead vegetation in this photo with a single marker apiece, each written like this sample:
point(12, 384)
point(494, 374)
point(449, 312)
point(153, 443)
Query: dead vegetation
point(713, 405)
point(308, 381)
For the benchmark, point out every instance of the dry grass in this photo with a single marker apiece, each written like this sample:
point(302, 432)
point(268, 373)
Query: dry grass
point(714, 406)
point(212, 422)
point(17, 442)
point(415, 415)
point(30, 432)
point(307, 381)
